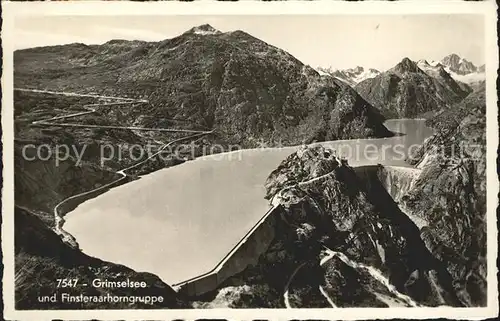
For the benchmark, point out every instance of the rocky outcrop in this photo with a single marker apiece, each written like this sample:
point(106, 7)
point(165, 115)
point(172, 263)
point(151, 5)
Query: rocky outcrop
point(407, 91)
point(327, 207)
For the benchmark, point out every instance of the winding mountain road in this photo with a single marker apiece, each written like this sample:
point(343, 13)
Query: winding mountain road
point(327, 258)
point(92, 108)
point(374, 272)
point(285, 294)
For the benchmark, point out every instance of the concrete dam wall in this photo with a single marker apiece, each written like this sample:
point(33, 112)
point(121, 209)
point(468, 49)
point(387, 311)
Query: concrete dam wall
point(245, 253)
point(396, 180)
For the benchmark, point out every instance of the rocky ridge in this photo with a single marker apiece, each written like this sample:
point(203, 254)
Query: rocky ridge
point(450, 195)
point(407, 91)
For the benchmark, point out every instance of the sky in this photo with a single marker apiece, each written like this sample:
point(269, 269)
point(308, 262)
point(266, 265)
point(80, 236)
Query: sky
point(338, 41)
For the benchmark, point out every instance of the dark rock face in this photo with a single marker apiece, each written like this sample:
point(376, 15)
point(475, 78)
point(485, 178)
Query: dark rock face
point(450, 195)
point(42, 258)
point(239, 85)
point(407, 91)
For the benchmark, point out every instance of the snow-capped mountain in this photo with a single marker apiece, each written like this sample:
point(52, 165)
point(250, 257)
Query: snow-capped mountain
point(407, 90)
point(458, 64)
point(205, 29)
point(351, 76)
point(463, 70)
point(458, 68)
point(432, 68)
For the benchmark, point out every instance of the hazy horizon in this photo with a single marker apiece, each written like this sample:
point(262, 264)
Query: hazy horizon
point(340, 41)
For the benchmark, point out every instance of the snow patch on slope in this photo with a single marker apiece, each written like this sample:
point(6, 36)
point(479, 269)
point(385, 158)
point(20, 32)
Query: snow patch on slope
point(432, 69)
point(351, 76)
point(472, 78)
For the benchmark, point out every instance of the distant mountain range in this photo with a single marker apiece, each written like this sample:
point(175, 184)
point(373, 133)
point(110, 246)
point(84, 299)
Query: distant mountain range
point(350, 76)
point(411, 88)
point(459, 69)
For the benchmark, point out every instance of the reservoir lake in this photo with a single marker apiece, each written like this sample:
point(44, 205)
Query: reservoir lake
point(179, 222)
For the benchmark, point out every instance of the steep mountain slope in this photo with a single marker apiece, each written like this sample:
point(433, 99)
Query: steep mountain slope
point(407, 91)
point(239, 85)
point(351, 76)
point(450, 195)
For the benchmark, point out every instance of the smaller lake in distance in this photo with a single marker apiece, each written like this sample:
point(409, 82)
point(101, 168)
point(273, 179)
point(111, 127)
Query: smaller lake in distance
point(179, 222)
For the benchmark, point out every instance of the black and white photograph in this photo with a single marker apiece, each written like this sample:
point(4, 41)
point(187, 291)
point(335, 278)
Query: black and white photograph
point(226, 162)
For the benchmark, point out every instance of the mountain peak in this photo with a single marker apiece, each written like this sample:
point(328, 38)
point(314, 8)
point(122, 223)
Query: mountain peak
point(452, 56)
point(423, 62)
point(406, 65)
point(452, 59)
point(407, 61)
point(358, 69)
point(204, 29)
point(458, 64)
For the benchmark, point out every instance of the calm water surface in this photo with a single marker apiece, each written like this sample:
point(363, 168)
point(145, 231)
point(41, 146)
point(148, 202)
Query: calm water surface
point(179, 222)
